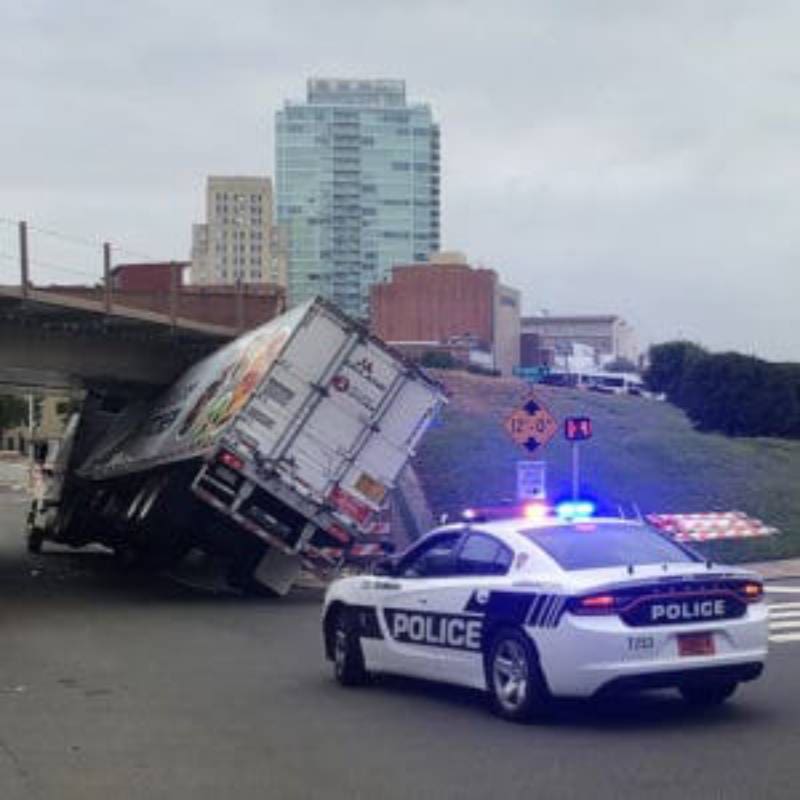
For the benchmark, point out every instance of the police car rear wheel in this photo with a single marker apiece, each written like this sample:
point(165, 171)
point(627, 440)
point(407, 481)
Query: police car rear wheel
point(348, 658)
point(707, 695)
point(515, 683)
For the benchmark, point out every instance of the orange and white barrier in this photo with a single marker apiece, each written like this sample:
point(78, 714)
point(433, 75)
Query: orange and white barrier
point(708, 526)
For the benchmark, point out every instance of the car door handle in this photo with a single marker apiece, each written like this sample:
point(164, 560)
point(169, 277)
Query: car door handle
point(422, 601)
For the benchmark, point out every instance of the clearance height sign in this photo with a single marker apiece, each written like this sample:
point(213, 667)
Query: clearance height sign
point(531, 425)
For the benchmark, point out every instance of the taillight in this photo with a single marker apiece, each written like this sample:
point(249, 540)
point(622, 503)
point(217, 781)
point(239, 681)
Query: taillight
point(752, 591)
point(596, 604)
point(230, 460)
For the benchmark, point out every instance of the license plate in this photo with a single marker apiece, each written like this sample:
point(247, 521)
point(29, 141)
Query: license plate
point(695, 644)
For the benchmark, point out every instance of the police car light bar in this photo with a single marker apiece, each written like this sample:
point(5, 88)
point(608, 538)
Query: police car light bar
point(575, 509)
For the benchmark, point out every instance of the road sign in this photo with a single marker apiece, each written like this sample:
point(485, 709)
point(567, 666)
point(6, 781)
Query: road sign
point(576, 429)
point(531, 480)
point(531, 425)
point(532, 374)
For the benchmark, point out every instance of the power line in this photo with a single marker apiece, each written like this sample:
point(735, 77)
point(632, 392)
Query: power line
point(94, 244)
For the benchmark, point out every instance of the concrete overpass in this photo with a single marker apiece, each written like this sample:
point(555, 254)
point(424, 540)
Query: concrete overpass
point(52, 341)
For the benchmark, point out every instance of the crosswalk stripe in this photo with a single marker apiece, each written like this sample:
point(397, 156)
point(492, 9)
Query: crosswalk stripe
point(784, 621)
point(777, 626)
point(768, 587)
point(783, 607)
point(785, 637)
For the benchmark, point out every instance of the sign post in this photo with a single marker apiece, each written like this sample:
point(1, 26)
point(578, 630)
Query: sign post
point(576, 430)
point(575, 471)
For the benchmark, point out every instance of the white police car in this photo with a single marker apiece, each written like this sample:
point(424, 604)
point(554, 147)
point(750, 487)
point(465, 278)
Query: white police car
point(526, 610)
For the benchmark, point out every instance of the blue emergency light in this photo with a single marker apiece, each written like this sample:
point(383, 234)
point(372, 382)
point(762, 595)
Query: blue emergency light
point(575, 509)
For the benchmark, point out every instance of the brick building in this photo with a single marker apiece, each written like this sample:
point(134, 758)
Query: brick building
point(159, 287)
point(156, 276)
point(451, 304)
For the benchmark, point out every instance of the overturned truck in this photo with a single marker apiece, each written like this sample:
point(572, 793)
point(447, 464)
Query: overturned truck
point(279, 446)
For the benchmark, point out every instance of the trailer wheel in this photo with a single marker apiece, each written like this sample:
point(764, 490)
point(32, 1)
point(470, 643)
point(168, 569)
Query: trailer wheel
point(126, 556)
point(34, 540)
point(33, 535)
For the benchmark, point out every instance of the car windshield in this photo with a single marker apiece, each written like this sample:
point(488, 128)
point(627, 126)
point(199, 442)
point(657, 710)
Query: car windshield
point(590, 545)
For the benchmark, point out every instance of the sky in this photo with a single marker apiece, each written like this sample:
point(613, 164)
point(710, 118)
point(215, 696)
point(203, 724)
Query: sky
point(603, 156)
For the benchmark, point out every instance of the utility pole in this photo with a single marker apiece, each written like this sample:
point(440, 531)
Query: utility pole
point(23, 258)
point(30, 428)
point(107, 277)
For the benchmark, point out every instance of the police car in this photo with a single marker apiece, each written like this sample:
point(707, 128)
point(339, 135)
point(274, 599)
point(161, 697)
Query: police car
point(528, 609)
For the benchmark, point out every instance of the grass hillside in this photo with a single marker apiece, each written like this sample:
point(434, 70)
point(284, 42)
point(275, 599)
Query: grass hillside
point(643, 452)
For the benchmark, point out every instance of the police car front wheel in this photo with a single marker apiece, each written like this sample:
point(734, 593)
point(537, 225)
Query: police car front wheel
point(348, 658)
point(515, 683)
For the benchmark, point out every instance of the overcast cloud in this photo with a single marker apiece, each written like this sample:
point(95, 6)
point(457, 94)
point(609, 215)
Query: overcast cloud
point(602, 156)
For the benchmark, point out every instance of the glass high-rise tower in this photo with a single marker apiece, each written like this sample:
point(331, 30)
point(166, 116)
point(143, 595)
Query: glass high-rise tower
point(357, 184)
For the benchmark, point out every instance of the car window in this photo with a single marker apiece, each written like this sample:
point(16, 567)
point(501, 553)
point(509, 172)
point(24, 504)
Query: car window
point(483, 555)
point(433, 557)
point(593, 546)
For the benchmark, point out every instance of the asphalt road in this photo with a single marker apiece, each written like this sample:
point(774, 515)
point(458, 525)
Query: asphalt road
point(120, 686)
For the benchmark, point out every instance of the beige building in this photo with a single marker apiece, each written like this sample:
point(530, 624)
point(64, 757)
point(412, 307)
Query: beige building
point(50, 414)
point(238, 240)
point(607, 334)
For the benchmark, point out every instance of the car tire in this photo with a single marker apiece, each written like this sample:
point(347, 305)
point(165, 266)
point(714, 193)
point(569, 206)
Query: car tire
point(516, 686)
point(707, 695)
point(348, 657)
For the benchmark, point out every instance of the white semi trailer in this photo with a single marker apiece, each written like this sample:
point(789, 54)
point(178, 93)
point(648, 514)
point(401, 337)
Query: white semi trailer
point(281, 444)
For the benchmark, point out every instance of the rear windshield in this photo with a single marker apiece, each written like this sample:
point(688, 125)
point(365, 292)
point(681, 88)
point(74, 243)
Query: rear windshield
point(593, 546)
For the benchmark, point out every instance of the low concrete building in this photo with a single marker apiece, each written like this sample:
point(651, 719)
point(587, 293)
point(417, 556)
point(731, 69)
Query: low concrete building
point(48, 418)
point(449, 304)
point(545, 337)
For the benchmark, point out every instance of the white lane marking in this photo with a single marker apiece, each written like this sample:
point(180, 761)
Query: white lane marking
point(782, 606)
point(777, 626)
point(785, 615)
point(785, 637)
point(768, 587)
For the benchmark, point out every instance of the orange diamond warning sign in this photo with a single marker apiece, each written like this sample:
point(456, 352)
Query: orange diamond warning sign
point(531, 425)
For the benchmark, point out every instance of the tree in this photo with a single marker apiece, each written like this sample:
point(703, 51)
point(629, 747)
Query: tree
point(740, 396)
point(669, 365)
point(13, 412)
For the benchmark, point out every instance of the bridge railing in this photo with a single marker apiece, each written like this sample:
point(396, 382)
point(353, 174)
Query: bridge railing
point(35, 259)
